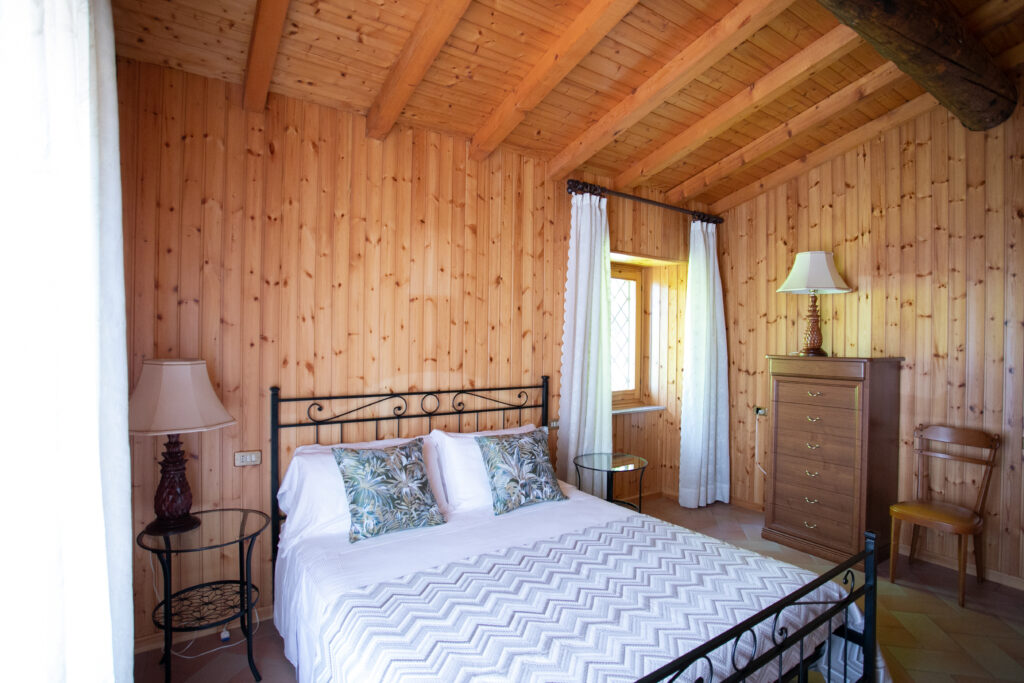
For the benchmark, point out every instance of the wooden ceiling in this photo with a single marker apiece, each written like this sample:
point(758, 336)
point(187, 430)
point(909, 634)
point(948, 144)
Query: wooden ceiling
point(702, 99)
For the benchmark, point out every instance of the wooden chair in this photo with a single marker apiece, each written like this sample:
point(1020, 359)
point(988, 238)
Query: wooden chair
point(942, 516)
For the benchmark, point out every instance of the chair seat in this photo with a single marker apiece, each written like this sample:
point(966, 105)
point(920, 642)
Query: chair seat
point(941, 516)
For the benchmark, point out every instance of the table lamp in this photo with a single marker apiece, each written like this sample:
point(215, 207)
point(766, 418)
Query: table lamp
point(174, 397)
point(814, 273)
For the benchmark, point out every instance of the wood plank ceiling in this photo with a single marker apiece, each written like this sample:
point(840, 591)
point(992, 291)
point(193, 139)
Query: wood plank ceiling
point(701, 99)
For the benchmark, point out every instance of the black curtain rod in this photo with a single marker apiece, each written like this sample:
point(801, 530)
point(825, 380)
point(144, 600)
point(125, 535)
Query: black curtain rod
point(578, 187)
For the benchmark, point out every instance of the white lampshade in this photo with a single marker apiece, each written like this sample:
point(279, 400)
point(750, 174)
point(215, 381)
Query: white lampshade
point(175, 397)
point(814, 272)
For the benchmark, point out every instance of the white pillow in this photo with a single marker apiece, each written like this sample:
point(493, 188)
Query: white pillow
point(312, 493)
point(462, 468)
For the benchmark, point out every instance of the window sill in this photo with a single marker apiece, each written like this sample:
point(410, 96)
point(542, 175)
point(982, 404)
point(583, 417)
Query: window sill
point(629, 409)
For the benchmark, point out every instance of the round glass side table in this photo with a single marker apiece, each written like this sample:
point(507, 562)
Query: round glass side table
point(610, 464)
point(215, 602)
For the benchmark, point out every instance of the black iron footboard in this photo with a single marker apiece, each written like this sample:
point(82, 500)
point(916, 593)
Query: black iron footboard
point(697, 660)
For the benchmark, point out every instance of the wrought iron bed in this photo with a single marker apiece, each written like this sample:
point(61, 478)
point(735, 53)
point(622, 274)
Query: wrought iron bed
point(390, 411)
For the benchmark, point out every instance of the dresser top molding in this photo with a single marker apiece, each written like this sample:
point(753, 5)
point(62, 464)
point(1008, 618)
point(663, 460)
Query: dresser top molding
point(818, 366)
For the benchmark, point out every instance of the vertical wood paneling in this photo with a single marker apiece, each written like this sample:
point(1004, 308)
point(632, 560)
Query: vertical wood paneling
point(285, 248)
point(927, 223)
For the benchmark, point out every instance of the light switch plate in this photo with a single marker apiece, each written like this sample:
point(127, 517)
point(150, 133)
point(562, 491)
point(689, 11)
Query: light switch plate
point(245, 458)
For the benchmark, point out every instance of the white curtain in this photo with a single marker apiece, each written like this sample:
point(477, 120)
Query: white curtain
point(67, 573)
point(704, 442)
point(585, 407)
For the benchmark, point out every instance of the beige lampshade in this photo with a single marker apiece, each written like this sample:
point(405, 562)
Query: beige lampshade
point(814, 272)
point(175, 397)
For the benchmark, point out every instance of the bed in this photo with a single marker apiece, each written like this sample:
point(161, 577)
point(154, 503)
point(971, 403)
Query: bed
point(565, 590)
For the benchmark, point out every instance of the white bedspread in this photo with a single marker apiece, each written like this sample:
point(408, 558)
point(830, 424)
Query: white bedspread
point(575, 591)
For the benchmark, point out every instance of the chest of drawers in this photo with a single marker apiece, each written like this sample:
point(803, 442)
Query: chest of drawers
point(834, 454)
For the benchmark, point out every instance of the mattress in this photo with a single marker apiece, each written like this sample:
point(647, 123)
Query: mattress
point(579, 590)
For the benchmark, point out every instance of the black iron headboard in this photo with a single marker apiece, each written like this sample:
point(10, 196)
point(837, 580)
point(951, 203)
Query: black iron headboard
point(394, 409)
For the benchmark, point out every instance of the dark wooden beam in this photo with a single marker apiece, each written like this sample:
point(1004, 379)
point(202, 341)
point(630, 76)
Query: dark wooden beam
point(928, 40)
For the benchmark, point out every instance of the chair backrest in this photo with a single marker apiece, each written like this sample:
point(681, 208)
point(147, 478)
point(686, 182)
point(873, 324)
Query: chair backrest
point(926, 435)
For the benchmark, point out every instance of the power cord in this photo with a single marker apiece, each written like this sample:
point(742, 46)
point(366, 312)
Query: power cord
point(223, 633)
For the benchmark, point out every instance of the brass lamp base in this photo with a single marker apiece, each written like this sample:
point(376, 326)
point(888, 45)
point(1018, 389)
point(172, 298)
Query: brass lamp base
point(812, 335)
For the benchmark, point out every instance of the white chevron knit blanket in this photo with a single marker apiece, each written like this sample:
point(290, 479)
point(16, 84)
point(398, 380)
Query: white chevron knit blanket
point(606, 603)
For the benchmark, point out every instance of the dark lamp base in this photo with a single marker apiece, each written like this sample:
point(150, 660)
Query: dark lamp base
point(162, 527)
point(812, 352)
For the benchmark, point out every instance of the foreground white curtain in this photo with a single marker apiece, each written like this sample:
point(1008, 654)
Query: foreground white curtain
point(585, 408)
point(704, 442)
point(66, 573)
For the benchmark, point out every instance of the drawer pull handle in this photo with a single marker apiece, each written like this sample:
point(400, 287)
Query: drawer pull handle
point(812, 394)
point(813, 446)
point(810, 474)
point(810, 526)
point(812, 502)
point(813, 419)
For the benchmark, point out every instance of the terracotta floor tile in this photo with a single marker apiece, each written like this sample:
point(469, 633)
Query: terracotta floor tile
point(925, 631)
point(936, 661)
point(991, 657)
point(929, 676)
point(898, 636)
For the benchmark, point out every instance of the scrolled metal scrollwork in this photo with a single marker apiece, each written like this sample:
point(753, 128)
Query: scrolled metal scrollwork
point(459, 404)
point(398, 410)
point(850, 578)
point(423, 403)
point(309, 410)
point(735, 646)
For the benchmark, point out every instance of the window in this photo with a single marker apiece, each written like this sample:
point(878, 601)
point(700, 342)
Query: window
point(626, 293)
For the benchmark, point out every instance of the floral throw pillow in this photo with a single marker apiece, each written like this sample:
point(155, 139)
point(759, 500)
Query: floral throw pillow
point(387, 489)
point(519, 469)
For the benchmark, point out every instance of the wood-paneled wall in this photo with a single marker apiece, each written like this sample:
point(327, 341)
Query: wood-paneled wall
point(286, 248)
point(926, 222)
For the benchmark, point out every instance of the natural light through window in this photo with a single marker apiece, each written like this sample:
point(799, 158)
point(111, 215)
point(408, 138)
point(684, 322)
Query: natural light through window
point(623, 333)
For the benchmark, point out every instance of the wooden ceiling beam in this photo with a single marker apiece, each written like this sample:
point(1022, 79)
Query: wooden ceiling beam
point(805, 64)
point(986, 18)
point(418, 54)
point(911, 109)
point(575, 43)
point(735, 27)
point(776, 138)
point(264, 40)
point(928, 40)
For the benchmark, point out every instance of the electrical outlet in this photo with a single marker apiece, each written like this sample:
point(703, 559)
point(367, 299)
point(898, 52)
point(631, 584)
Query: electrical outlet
point(553, 424)
point(245, 458)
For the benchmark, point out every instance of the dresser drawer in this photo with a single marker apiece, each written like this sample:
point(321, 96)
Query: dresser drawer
point(815, 473)
point(818, 394)
point(836, 450)
point(814, 502)
point(813, 527)
point(817, 420)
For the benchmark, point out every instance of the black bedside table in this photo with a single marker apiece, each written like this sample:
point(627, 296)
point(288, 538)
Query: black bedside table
point(610, 463)
point(215, 602)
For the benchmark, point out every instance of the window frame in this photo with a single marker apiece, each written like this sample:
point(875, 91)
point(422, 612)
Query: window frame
point(632, 397)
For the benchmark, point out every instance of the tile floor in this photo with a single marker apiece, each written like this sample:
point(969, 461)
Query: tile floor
point(924, 634)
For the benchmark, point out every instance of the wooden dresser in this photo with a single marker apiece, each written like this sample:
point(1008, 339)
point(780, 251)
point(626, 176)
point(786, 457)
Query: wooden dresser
point(835, 453)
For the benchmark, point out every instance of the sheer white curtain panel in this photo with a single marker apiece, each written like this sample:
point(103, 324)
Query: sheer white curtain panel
point(704, 442)
point(585, 408)
point(67, 574)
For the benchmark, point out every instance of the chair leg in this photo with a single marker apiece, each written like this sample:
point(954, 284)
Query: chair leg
point(961, 545)
point(979, 555)
point(915, 538)
point(894, 548)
